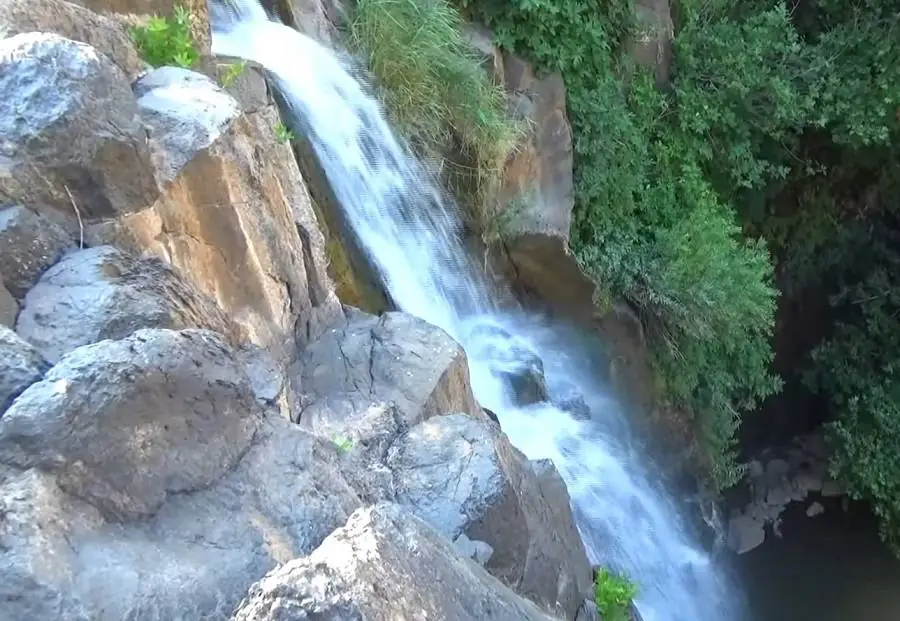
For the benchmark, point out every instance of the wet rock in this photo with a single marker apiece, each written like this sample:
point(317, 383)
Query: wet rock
point(395, 358)
point(462, 477)
point(74, 22)
point(102, 293)
point(815, 509)
point(383, 565)
point(745, 533)
point(178, 131)
point(139, 11)
point(29, 244)
point(20, 366)
point(69, 123)
point(236, 221)
point(9, 308)
point(125, 423)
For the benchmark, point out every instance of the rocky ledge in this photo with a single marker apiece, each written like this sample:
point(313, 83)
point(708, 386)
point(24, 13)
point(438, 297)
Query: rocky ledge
point(191, 425)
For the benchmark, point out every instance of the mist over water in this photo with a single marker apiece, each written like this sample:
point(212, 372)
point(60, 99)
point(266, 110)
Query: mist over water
point(411, 232)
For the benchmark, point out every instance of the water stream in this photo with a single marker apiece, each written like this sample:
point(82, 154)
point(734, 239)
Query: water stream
point(411, 231)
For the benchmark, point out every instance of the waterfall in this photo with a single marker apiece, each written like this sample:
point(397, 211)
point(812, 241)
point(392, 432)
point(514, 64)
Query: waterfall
point(412, 233)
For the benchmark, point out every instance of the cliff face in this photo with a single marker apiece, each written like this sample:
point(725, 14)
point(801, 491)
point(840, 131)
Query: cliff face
point(184, 403)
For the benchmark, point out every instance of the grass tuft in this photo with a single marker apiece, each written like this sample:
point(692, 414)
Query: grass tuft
point(433, 83)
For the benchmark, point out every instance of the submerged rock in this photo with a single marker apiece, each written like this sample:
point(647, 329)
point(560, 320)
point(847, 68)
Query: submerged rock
point(384, 565)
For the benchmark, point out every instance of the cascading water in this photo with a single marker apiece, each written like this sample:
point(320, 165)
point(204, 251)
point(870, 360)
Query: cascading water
point(412, 234)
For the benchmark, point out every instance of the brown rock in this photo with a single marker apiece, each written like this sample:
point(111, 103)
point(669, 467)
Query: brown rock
point(73, 22)
point(319, 19)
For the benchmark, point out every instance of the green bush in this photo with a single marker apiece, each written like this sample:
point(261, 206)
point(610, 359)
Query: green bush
point(167, 41)
point(432, 81)
point(613, 596)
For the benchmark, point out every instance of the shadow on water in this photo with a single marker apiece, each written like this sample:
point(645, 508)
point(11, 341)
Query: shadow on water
point(831, 567)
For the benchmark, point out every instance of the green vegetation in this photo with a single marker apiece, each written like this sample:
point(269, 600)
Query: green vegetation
point(282, 133)
point(233, 72)
point(778, 131)
point(167, 41)
point(342, 443)
point(613, 595)
point(433, 84)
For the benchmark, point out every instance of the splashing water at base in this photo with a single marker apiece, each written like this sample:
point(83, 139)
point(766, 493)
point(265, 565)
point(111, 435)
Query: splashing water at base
point(411, 232)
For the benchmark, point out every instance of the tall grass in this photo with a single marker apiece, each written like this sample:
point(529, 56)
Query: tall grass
point(433, 83)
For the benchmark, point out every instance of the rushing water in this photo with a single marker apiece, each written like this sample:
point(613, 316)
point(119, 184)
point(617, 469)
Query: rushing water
point(411, 232)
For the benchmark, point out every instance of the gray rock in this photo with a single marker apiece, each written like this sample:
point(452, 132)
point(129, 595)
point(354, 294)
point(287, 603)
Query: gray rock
point(478, 551)
point(178, 131)
point(745, 533)
point(9, 308)
point(266, 378)
point(101, 293)
point(242, 79)
point(74, 22)
point(588, 612)
point(193, 559)
point(29, 244)
point(125, 423)
point(807, 481)
point(815, 509)
point(384, 565)
point(395, 358)
point(69, 120)
point(831, 489)
point(463, 477)
point(20, 366)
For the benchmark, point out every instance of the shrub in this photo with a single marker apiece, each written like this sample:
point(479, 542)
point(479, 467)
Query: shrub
point(613, 595)
point(432, 81)
point(167, 41)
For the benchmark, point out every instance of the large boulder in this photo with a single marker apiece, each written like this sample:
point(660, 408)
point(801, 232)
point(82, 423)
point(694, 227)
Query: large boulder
point(161, 426)
point(395, 358)
point(462, 476)
point(132, 12)
point(235, 218)
point(383, 565)
point(20, 366)
point(102, 293)
point(29, 244)
point(73, 22)
point(125, 423)
point(71, 135)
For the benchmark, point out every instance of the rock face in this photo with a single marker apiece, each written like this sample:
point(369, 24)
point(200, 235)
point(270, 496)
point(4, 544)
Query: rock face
point(394, 358)
point(383, 565)
point(235, 219)
point(9, 308)
point(319, 19)
point(101, 293)
point(20, 366)
point(29, 244)
point(73, 22)
point(70, 125)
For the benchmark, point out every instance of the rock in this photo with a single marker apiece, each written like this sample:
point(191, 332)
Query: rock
point(20, 366)
point(139, 11)
point(178, 132)
point(807, 481)
point(236, 222)
point(482, 41)
point(464, 478)
point(815, 509)
point(102, 293)
point(69, 122)
point(266, 378)
point(478, 551)
point(745, 533)
point(125, 423)
point(512, 360)
point(193, 558)
point(588, 612)
point(319, 19)
point(395, 358)
point(651, 46)
point(242, 79)
point(74, 22)
point(29, 244)
point(383, 565)
point(9, 308)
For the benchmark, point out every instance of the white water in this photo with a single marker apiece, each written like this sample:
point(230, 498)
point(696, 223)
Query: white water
point(411, 231)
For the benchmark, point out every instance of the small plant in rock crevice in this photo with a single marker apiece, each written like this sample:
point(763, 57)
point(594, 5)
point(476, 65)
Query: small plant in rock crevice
point(233, 72)
point(342, 443)
point(613, 596)
point(167, 41)
point(283, 134)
